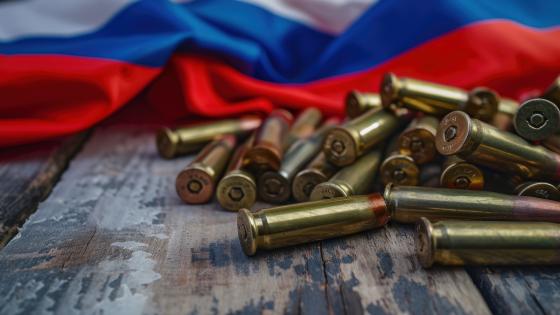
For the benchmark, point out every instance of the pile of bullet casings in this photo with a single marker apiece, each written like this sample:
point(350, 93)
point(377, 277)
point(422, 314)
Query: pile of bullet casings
point(464, 166)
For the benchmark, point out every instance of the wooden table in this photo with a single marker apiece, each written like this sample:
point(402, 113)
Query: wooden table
point(113, 237)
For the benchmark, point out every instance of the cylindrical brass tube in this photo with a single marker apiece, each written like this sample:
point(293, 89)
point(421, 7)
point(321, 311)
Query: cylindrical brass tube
point(309, 221)
point(184, 140)
point(319, 170)
point(480, 143)
point(542, 190)
point(196, 183)
point(418, 139)
point(276, 187)
point(537, 119)
point(345, 144)
point(553, 92)
point(408, 204)
point(304, 125)
point(436, 99)
point(268, 147)
point(358, 103)
point(507, 108)
point(355, 179)
point(460, 174)
point(237, 189)
point(487, 243)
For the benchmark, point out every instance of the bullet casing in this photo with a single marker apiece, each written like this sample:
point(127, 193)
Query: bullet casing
point(267, 150)
point(318, 171)
point(507, 108)
point(537, 119)
point(309, 221)
point(184, 140)
point(358, 103)
point(552, 143)
point(344, 145)
point(196, 183)
point(435, 99)
point(275, 187)
point(487, 243)
point(237, 189)
point(408, 204)
point(304, 126)
point(480, 143)
point(355, 179)
point(542, 190)
point(460, 174)
point(399, 169)
point(418, 139)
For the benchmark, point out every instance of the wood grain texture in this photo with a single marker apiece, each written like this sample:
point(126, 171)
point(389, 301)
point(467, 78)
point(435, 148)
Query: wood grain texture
point(28, 174)
point(113, 237)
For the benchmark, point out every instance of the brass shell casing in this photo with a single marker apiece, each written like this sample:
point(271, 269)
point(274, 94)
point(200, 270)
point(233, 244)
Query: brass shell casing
point(276, 186)
point(480, 143)
point(196, 183)
point(399, 169)
point(460, 243)
point(436, 99)
point(355, 179)
point(237, 189)
point(319, 170)
point(358, 103)
point(304, 125)
point(268, 147)
point(408, 204)
point(539, 190)
point(418, 139)
point(460, 174)
point(345, 144)
point(184, 140)
point(537, 119)
point(309, 221)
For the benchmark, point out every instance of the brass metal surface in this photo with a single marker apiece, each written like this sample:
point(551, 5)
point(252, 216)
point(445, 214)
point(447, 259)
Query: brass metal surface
point(537, 119)
point(345, 144)
point(482, 144)
point(436, 99)
point(237, 189)
point(309, 221)
point(184, 140)
point(407, 204)
point(358, 103)
point(196, 183)
point(552, 143)
point(460, 174)
point(355, 179)
point(268, 147)
point(418, 139)
point(542, 190)
point(319, 170)
point(304, 125)
point(487, 243)
point(399, 169)
point(276, 186)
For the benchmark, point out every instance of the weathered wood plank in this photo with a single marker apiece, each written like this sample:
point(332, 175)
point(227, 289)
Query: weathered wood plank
point(527, 290)
point(113, 237)
point(28, 174)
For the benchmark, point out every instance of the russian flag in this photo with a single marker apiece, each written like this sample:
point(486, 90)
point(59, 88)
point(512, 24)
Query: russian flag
point(66, 65)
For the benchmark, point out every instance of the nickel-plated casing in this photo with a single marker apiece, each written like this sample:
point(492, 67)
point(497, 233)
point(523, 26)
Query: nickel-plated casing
point(319, 170)
point(358, 103)
point(537, 119)
point(238, 188)
point(480, 143)
point(460, 174)
point(268, 146)
point(309, 221)
point(345, 144)
point(276, 186)
point(304, 125)
point(184, 140)
point(408, 204)
point(355, 179)
point(418, 139)
point(487, 243)
point(542, 190)
point(196, 183)
point(436, 99)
